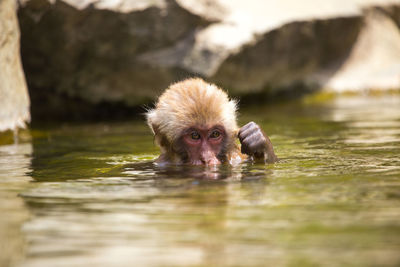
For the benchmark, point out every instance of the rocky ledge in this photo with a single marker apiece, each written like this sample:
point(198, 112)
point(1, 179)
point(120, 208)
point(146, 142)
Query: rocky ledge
point(126, 52)
point(14, 99)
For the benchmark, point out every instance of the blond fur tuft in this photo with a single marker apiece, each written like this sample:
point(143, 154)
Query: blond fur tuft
point(189, 103)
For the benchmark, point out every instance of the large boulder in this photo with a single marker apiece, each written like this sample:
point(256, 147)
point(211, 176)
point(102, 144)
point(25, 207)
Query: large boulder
point(90, 51)
point(374, 61)
point(14, 99)
point(287, 58)
point(103, 51)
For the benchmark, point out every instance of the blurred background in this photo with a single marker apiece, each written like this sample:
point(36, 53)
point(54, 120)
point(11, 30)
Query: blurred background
point(91, 59)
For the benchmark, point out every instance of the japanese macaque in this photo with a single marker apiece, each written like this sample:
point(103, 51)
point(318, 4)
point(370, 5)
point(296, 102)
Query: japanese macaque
point(195, 123)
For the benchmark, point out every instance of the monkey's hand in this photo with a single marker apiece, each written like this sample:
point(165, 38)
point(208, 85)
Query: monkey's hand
point(256, 143)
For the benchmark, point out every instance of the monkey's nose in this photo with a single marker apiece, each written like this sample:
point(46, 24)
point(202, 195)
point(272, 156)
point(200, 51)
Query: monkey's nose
point(211, 161)
point(208, 157)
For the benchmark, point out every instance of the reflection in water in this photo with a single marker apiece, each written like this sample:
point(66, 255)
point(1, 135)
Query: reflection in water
point(14, 165)
point(334, 198)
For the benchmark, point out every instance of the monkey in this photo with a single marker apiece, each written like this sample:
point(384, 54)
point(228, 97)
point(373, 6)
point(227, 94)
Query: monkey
point(194, 123)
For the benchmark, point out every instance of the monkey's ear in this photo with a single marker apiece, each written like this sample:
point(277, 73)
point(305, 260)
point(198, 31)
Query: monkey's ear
point(151, 118)
point(160, 139)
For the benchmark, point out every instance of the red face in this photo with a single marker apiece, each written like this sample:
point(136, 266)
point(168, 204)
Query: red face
point(204, 144)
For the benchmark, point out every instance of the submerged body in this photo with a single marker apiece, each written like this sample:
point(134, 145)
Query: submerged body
point(195, 122)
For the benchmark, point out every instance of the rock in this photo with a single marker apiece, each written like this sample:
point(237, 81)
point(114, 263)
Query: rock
point(374, 61)
point(14, 100)
point(284, 58)
point(125, 52)
point(308, 47)
point(89, 51)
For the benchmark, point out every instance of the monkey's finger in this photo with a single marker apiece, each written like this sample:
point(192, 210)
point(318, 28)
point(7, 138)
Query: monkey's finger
point(253, 150)
point(248, 131)
point(257, 147)
point(243, 135)
point(248, 125)
point(253, 136)
point(256, 142)
point(250, 142)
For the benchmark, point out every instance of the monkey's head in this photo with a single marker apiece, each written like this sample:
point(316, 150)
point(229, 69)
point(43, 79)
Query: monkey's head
point(194, 122)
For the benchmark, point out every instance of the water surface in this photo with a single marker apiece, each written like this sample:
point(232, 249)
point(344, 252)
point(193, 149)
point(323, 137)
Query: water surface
point(89, 195)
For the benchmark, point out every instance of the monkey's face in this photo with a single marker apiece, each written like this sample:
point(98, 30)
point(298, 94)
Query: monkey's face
point(204, 144)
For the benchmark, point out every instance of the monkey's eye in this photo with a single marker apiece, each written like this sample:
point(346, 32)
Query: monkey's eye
point(215, 134)
point(195, 136)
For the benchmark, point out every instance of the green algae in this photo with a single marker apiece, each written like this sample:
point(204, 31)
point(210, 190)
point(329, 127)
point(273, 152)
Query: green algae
point(95, 197)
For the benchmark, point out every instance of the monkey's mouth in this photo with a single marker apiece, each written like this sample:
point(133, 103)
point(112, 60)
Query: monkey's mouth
point(209, 162)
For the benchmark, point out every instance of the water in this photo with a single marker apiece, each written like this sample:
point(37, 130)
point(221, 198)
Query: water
point(89, 195)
